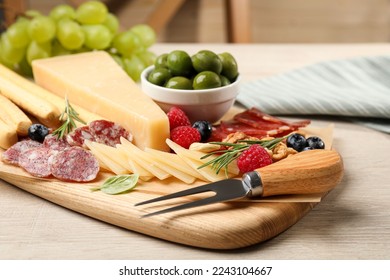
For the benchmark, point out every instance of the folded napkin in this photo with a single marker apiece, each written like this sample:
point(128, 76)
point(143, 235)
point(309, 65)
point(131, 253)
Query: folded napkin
point(357, 88)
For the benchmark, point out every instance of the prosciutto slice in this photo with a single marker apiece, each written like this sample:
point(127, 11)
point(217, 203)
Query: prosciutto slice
point(255, 123)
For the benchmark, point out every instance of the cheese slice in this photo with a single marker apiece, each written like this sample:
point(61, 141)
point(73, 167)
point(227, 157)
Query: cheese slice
point(95, 82)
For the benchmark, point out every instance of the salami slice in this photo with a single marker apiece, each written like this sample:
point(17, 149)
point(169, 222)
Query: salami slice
point(54, 144)
point(79, 135)
point(101, 131)
point(12, 154)
point(74, 164)
point(108, 133)
point(36, 161)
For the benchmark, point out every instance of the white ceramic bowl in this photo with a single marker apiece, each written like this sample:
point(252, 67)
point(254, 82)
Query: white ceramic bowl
point(206, 104)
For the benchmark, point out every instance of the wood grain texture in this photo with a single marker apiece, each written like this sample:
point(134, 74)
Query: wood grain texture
point(317, 171)
point(218, 226)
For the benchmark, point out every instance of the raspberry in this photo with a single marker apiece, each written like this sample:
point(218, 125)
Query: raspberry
point(185, 136)
point(177, 117)
point(252, 158)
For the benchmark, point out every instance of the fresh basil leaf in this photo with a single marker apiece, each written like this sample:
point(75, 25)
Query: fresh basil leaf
point(118, 184)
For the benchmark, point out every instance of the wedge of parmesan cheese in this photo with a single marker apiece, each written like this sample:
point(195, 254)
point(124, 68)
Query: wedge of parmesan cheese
point(95, 82)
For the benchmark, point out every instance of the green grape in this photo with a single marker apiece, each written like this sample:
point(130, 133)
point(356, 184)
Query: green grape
point(32, 13)
point(147, 57)
point(42, 29)
point(58, 49)
point(62, 11)
point(97, 36)
point(145, 33)
point(38, 50)
point(91, 12)
point(127, 42)
point(22, 18)
point(17, 34)
point(2, 61)
point(83, 49)
point(118, 60)
point(134, 67)
point(6, 63)
point(70, 34)
point(24, 68)
point(112, 23)
point(9, 54)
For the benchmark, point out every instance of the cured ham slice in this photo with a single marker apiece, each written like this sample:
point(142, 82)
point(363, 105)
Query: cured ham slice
point(257, 124)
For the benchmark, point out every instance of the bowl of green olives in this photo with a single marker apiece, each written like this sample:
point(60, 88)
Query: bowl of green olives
point(204, 85)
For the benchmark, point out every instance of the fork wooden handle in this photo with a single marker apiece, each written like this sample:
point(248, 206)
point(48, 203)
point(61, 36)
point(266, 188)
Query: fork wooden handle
point(314, 171)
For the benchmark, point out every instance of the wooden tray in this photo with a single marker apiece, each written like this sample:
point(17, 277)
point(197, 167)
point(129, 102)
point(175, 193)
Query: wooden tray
point(218, 226)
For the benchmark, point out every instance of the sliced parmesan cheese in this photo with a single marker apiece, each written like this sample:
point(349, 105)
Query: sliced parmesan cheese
point(103, 155)
point(198, 156)
point(143, 160)
point(192, 160)
point(174, 162)
point(95, 82)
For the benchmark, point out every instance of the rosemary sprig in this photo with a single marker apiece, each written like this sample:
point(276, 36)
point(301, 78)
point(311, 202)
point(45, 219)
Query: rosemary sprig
point(68, 117)
point(233, 151)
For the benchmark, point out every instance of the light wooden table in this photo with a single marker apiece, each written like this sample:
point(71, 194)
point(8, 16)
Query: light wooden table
point(352, 222)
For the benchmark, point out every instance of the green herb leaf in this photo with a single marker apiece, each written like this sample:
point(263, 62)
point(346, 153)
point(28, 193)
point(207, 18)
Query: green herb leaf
point(68, 117)
point(118, 184)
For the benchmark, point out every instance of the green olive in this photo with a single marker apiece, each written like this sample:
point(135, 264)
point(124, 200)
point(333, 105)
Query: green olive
point(206, 80)
point(206, 61)
point(229, 66)
point(159, 76)
point(161, 61)
point(179, 63)
point(179, 82)
point(224, 81)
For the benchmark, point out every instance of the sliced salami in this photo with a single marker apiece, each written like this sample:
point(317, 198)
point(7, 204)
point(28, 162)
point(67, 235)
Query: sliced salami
point(54, 144)
point(36, 161)
point(101, 131)
point(74, 164)
point(12, 154)
point(108, 133)
point(79, 135)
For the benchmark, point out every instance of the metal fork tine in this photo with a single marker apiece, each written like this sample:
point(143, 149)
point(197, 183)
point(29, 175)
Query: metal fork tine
point(224, 191)
point(200, 189)
point(201, 202)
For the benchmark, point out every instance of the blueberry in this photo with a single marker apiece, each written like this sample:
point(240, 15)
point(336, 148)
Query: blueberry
point(204, 128)
point(307, 149)
point(297, 142)
point(315, 142)
point(37, 132)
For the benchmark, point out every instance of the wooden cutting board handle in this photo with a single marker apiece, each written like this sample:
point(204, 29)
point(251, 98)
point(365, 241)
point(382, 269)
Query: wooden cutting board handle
point(314, 171)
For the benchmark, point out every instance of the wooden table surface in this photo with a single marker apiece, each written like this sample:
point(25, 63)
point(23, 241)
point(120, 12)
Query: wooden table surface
point(352, 222)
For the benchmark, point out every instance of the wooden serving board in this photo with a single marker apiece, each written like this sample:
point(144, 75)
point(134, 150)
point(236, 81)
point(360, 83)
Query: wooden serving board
point(218, 226)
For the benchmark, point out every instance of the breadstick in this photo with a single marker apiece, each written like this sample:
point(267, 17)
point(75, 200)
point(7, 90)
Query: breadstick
point(8, 135)
point(13, 116)
point(44, 94)
point(43, 110)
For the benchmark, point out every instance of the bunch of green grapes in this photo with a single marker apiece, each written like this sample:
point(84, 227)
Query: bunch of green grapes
point(67, 30)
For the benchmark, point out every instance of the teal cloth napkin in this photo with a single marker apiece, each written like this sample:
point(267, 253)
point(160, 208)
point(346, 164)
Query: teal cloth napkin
point(357, 89)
